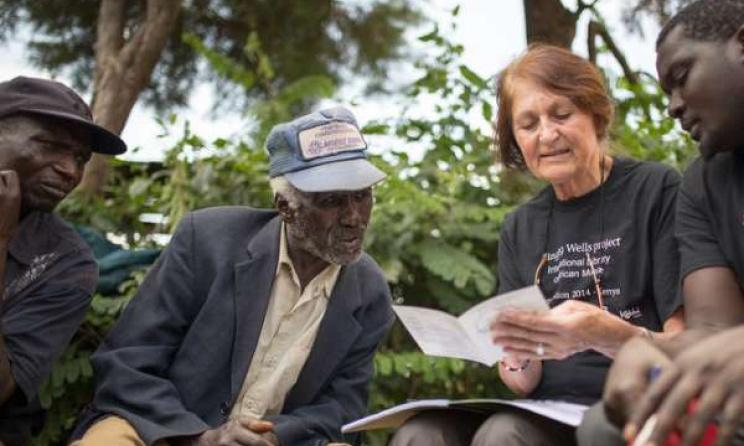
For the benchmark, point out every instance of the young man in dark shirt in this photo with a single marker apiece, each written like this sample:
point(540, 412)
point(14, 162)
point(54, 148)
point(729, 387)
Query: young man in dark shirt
point(48, 274)
point(700, 64)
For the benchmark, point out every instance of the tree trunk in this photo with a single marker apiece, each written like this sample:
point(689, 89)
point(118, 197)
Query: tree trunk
point(123, 70)
point(548, 21)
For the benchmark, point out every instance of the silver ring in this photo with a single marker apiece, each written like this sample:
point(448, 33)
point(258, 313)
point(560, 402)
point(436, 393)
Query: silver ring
point(540, 349)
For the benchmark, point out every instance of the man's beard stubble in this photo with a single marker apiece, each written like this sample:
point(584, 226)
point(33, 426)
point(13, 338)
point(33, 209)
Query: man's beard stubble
point(304, 235)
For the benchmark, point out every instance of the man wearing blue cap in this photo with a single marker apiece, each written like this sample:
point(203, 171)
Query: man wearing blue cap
point(47, 272)
point(255, 327)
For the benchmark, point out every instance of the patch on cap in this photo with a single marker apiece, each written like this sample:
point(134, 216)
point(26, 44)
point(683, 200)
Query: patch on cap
point(330, 139)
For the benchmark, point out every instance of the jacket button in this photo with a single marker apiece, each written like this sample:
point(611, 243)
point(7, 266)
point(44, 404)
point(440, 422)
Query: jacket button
point(224, 408)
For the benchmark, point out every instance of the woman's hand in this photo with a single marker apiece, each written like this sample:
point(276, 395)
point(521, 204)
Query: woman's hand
point(569, 328)
point(712, 372)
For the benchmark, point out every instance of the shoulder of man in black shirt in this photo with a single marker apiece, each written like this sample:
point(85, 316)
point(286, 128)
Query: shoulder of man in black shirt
point(709, 228)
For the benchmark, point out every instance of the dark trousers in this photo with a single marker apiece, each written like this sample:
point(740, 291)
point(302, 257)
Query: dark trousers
point(450, 427)
point(596, 430)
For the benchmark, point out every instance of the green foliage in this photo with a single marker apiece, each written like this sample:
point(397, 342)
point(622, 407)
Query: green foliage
point(645, 130)
point(339, 40)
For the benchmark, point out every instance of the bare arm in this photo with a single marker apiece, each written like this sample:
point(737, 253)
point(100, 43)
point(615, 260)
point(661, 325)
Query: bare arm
point(523, 381)
point(713, 302)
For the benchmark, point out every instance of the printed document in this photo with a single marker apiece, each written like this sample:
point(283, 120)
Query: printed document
point(563, 412)
point(467, 337)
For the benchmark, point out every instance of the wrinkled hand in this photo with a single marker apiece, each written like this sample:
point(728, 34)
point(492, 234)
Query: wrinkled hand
point(10, 203)
point(244, 431)
point(628, 378)
point(569, 328)
point(712, 371)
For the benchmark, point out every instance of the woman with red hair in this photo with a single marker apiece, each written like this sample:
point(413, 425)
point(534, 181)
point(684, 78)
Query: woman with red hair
point(598, 240)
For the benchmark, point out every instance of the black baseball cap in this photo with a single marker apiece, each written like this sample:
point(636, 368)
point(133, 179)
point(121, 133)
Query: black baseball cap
point(29, 95)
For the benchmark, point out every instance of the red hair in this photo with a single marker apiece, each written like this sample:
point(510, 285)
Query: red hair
point(561, 72)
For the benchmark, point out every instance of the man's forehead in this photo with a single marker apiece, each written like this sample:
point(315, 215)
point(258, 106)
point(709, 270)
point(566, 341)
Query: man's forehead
point(341, 192)
point(56, 129)
point(675, 44)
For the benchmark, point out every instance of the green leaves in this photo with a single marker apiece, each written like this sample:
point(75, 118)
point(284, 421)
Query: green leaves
point(644, 129)
point(456, 266)
point(473, 78)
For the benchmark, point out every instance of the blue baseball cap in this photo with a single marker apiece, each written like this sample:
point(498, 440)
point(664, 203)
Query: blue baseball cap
point(320, 152)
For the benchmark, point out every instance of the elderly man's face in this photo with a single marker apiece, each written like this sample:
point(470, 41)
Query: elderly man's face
point(331, 225)
point(48, 156)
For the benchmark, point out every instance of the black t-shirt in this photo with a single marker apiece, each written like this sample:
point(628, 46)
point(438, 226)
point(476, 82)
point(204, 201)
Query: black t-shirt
point(49, 280)
point(636, 260)
point(710, 215)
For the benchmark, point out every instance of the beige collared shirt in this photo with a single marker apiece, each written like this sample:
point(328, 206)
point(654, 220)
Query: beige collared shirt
point(287, 336)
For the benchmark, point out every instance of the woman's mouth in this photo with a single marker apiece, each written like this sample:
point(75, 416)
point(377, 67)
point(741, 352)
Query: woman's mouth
point(555, 154)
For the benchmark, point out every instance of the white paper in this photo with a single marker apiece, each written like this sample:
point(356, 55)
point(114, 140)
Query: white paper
point(563, 412)
point(477, 321)
point(437, 333)
point(394, 416)
point(566, 413)
point(468, 337)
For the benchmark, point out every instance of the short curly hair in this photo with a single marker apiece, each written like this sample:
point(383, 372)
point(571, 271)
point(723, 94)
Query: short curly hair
point(561, 72)
point(706, 20)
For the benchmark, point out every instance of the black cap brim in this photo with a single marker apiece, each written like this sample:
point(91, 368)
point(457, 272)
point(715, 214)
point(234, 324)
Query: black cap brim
point(103, 141)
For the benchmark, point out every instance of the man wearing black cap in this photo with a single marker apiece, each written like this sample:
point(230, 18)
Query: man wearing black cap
point(255, 327)
point(46, 136)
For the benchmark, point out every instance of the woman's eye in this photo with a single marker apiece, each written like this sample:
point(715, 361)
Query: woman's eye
point(528, 125)
point(565, 115)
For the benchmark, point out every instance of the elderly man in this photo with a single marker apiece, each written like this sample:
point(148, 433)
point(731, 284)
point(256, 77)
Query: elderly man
point(49, 274)
point(699, 373)
point(255, 327)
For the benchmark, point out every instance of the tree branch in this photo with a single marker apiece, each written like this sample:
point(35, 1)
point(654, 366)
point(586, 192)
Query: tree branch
point(548, 21)
point(110, 37)
point(583, 6)
point(123, 70)
point(598, 29)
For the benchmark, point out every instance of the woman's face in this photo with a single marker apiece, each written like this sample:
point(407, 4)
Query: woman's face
point(557, 139)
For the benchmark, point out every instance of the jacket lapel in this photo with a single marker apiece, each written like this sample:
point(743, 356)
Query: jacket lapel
point(254, 278)
point(337, 332)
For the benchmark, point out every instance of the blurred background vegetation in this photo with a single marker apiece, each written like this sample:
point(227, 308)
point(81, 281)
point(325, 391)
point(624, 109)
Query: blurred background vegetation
point(436, 222)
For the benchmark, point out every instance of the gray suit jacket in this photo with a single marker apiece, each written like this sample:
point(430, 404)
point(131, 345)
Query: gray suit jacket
point(175, 362)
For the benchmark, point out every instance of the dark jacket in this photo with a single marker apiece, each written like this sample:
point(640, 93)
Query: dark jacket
point(175, 362)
